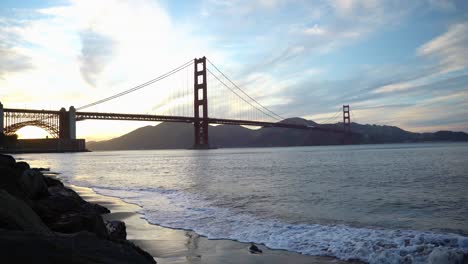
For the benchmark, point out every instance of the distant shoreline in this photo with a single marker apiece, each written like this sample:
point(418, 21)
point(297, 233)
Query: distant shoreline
point(22, 151)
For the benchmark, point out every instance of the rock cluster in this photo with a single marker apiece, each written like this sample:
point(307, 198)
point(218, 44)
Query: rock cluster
point(42, 221)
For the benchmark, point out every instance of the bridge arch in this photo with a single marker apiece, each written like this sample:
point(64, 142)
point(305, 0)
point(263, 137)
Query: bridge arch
point(52, 130)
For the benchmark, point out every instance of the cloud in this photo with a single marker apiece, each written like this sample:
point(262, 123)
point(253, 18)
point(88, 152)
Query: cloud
point(12, 61)
point(96, 53)
point(353, 7)
point(450, 48)
point(449, 53)
point(446, 5)
point(315, 30)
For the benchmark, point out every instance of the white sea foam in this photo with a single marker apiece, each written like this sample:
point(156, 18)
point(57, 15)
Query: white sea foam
point(178, 209)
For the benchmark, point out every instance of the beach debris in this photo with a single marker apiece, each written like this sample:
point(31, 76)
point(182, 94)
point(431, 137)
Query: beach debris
point(254, 249)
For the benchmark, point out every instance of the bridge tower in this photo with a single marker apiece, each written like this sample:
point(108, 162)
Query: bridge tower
point(200, 105)
point(347, 124)
point(1, 118)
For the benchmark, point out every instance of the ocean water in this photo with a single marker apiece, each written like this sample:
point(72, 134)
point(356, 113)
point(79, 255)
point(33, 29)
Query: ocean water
point(399, 203)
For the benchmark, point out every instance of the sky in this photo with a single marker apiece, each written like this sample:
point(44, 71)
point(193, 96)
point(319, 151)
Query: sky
point(401, 63)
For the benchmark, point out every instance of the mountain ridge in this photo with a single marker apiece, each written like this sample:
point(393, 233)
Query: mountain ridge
point(180, 136)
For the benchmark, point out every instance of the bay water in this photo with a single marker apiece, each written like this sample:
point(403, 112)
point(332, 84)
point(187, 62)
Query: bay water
point(395, 203)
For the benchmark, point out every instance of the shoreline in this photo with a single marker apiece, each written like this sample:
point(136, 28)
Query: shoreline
point(171, 246)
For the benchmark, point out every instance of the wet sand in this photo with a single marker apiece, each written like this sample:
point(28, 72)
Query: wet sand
point(173, 246)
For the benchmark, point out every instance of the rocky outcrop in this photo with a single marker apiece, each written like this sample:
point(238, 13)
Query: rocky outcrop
point(82, 247)
point(42, 221)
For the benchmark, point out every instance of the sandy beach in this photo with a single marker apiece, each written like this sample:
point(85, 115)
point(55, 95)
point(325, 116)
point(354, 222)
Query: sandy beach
point(172, 246)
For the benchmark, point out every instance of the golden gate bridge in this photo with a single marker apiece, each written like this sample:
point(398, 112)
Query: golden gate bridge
point(229, 105)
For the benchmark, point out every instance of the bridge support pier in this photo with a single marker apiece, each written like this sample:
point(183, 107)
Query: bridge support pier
point(67, 123)
point(72, 122)
point(2, 118)
point(200, 105)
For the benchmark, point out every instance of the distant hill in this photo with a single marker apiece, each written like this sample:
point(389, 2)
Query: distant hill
point(180, 136)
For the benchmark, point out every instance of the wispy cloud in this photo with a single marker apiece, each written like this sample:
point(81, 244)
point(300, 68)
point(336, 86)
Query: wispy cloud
point(450, 48)
point(12, 61)
point(96, 53)
point(12, 58)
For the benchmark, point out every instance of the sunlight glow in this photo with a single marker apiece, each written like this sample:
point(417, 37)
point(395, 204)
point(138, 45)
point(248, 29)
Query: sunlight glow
point(32, 132)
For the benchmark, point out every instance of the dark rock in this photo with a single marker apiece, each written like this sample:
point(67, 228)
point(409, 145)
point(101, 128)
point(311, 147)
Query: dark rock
point(116, 229)
point(83, 247)
point(76, 222)
point(21, 166)
point(49, 181)
point(15, 214)
point(65, 211)
point(32, 206)
point(62, 200)
point(32, 182)
point(9, 182)
point(254, 249)
point(96, 208)
point(42, 169)
point(7, 161)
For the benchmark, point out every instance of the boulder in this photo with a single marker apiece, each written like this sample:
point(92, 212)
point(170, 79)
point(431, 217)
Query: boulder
point(65, 211)
point(42, 169)
point(32, 182)
point(116, 229)
point(9, 182)
point(95, 208)
point(62, 199)
point(15, 214)
point(83, 247)
point(21, 166)
point(50, 182)
point(51, 208)
point(76, 222)
point(7, 160)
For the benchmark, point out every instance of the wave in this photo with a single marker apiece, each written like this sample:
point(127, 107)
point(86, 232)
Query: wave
point(183, 210)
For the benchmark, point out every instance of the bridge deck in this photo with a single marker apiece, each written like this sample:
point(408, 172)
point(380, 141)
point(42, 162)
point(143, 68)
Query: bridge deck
point(185, 119)
point(181, 119)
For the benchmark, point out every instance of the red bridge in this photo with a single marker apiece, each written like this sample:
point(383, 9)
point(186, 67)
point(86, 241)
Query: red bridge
point(62, 124)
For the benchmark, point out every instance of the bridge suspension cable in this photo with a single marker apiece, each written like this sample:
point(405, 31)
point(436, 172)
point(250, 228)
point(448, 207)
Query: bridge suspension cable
point(242, 98)
point(138, 87)
point(334, 117)
point(259, 105)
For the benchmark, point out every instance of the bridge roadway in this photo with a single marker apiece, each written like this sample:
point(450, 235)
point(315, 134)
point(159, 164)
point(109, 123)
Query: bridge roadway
point(183, 119)
point(80, 116)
